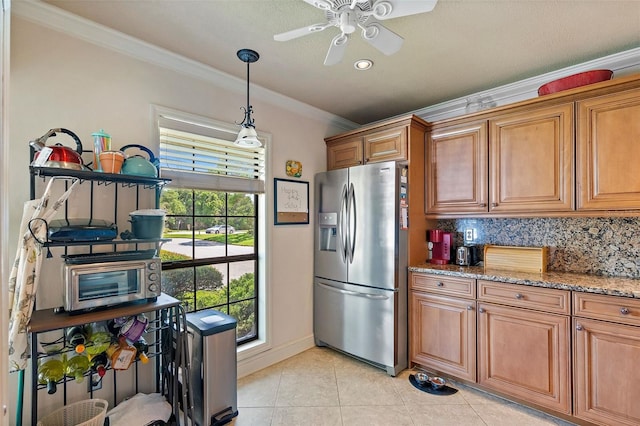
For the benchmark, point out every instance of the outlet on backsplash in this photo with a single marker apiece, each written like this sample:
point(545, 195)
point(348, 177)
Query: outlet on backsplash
point(470, 235)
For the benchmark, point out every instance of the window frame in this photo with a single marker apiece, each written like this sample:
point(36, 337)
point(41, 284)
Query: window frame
point(263, 343)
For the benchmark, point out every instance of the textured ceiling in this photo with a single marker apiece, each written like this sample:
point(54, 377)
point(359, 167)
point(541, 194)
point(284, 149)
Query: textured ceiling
point(461, 47)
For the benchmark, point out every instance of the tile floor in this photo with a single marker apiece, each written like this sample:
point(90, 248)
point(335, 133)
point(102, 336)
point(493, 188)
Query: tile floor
point(323, 387)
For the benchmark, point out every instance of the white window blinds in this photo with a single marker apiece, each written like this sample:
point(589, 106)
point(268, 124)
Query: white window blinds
point(202, 155)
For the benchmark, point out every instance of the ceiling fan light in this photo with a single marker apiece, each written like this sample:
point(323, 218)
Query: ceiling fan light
point(248, 137)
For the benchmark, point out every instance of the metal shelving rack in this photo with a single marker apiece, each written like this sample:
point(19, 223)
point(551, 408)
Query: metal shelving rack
point(168, 324)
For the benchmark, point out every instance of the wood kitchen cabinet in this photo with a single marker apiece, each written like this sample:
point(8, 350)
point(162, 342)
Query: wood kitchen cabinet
point(400, 139)
point(509, 163)
point(522, 352)
point(608, 132)
point(606, 353)
point(442, 324)
point(387, 141)
point(456, 169)
point(531, 164)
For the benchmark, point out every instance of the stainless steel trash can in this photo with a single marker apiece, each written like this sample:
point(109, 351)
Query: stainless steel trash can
point(212, 345)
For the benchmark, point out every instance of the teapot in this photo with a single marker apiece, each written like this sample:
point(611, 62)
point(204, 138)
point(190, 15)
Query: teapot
point(60, 156)
point(139, 166)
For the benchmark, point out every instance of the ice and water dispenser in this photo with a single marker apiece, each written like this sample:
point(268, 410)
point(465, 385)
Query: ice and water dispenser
point(328, 224)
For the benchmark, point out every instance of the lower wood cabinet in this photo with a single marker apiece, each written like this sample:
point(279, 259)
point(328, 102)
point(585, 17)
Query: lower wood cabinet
point(525, 354)
point(606, 354)
point(524, 343)
point(517, 340)
point(443, 336)
point(442, 324)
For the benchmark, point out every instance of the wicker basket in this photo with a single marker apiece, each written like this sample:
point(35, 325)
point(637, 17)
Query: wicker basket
point(90, 412)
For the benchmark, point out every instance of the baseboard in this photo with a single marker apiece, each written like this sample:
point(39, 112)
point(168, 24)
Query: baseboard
point(273, 356)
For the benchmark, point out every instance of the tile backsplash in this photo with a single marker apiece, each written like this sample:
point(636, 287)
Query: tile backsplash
point(601, 246)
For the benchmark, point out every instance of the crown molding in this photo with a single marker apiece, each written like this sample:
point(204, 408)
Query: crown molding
point(622, 63)
point(67, 23)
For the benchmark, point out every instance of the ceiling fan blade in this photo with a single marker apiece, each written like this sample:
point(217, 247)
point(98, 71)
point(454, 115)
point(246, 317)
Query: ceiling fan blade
point(387, 9)
point(290, 35)
point(321, 4)
point(336, 49)
point(382, 38)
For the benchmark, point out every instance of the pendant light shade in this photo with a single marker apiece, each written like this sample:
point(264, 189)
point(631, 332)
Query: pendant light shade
point(248, 137)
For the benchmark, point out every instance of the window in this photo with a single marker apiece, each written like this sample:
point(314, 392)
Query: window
point(213, 206)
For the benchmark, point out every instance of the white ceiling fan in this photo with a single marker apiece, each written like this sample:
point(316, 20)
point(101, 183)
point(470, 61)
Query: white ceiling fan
point(349, 15)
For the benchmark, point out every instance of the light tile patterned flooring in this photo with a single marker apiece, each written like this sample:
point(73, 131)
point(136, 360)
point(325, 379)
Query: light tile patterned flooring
point(323, 387)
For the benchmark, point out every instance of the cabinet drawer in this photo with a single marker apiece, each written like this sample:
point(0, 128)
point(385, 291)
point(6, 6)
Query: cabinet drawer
point(542, 299)
point(609, 308)
point(462, 287)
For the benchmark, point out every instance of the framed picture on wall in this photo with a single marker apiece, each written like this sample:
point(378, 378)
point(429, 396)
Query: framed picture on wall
point(291, 202)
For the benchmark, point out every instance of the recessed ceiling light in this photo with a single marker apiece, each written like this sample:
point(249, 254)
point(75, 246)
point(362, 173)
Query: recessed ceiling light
point(363, 64)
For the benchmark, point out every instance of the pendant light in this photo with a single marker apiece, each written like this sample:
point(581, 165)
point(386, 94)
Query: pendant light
point(248, 137)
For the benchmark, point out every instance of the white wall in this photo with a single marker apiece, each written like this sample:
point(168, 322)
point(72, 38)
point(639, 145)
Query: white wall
point(60, 81)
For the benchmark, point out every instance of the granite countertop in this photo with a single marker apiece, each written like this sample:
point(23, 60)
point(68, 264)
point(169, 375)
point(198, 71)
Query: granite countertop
point(613, 286)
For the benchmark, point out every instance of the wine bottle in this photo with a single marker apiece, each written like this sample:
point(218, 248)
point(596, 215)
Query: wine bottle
point(99, 338)
point(77, 338)
point(142, 348)
point(77, 367)
point(50, 371)
point(99, 364)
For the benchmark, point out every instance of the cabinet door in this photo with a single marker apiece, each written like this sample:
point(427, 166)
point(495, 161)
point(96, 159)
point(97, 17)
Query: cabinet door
point(525, 354)
point(608, 132)
point(443, 334)
point(456, 169)
point(606, 374)
point(386, 145)
point(344, 153)
point(531, 160)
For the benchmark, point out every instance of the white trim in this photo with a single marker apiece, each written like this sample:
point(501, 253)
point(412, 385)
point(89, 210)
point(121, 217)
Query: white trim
point(622, 63)
point(273, 356)
point(62, 21)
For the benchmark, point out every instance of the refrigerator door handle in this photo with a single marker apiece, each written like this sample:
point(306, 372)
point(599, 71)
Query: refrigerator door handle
point(342, 222)
point(354, 293)
point(352, 222)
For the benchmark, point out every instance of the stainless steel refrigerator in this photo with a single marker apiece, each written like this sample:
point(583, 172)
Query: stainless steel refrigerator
point(360, 263)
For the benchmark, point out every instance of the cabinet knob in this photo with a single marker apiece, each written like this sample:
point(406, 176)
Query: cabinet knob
point(481, 310)
point(470, 308)
point(494, 204)
point(483, 205)
point(519, 296)
point(579, 327)
point(440, 284)
point(624, 311)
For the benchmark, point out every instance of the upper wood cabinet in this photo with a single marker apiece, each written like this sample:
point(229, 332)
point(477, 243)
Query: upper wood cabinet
point(512, 163)
point(531, 165)
point(566, 154)
point(608, 143)
point(456, 169)
point(345, 153)
point(386, 141)
point(398, 139)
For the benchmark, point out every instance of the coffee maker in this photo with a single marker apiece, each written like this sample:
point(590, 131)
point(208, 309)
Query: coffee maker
point(439, 246)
